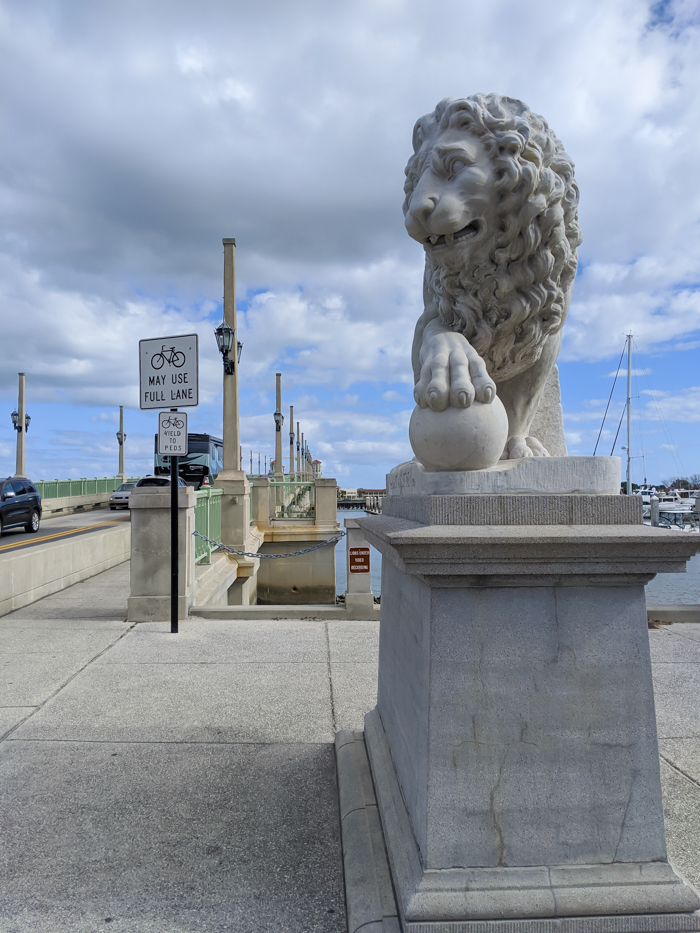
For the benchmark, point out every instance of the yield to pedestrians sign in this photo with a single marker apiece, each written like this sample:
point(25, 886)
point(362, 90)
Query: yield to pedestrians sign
point(172, 433)
point(169, 372)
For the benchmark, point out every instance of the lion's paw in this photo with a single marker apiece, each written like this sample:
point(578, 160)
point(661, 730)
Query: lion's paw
point(519, 447)
point(538, 449)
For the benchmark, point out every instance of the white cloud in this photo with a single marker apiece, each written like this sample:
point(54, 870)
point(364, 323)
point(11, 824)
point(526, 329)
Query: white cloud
point(682, 407)
point(134, 136)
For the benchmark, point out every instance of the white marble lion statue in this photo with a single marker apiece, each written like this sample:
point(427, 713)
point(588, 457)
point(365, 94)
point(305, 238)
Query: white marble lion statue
point(490, 194)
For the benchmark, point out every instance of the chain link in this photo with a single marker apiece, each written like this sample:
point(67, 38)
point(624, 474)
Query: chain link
point(232, 550)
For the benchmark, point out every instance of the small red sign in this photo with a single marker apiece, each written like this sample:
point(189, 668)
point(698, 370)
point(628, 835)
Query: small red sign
point(359, 560)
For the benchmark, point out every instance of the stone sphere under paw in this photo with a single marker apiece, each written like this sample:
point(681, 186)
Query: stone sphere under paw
point(459, 438)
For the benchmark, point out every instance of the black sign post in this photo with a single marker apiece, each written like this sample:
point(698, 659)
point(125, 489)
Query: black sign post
point(169, 374)
point(172, 441)
point(173, 544)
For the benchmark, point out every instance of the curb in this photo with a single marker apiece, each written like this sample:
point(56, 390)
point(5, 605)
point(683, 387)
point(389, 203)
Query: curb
point(369, 894)
point(673, 613)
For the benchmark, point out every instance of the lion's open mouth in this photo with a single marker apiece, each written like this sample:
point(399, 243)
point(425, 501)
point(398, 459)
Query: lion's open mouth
point(447, 239)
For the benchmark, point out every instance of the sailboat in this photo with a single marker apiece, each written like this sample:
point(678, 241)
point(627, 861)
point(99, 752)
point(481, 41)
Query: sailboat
point(676, 508)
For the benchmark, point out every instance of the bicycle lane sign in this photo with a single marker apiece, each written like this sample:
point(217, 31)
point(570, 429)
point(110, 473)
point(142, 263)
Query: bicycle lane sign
point(172, 433)
point(169, 372)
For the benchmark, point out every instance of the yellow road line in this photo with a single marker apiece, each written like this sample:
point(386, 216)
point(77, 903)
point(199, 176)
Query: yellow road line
point(59, 534)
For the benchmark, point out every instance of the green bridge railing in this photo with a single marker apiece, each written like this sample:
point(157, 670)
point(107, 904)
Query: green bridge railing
point(292, 500)
point(62, 488)
point(207, 521)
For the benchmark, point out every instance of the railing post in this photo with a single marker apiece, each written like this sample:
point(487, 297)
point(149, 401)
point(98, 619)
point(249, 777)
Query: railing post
point(261, 501)
point(326, 502)
point(359, 599)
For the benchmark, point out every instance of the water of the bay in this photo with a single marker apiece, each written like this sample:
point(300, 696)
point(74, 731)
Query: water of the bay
point(375, 558)
point(673, 589)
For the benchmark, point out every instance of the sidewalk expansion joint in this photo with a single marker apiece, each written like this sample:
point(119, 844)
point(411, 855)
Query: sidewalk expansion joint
point(163, 742)
point(334, 727)
point(65, 683)
point(674, 767)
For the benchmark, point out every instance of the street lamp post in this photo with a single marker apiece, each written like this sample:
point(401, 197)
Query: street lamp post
point(20, 422)
point(291, 441)
point(121, 437)
point(235, 504)
point(226, 333)
point(279, 421)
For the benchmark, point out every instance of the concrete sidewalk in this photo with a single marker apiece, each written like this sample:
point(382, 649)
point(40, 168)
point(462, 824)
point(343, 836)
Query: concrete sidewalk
point(158, 783)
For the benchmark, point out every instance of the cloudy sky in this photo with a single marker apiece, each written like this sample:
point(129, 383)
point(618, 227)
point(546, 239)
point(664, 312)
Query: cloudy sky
point(135, 135)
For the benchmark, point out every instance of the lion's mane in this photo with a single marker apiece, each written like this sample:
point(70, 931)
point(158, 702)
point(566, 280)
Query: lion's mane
point(508, 305)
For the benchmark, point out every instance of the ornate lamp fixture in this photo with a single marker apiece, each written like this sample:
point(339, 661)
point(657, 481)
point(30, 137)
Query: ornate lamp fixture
point(15, 422)
point(224, 341)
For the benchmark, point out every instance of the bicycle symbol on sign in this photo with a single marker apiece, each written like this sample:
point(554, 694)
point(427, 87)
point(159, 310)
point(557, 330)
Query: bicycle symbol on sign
point(171, 422)
point(172, 356)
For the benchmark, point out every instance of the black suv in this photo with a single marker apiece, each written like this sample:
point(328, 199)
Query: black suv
point(20, 504)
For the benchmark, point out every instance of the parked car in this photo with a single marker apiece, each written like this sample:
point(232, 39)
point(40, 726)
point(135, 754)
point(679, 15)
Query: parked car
point(20, 504)
point(120, 497)
point(158, 481)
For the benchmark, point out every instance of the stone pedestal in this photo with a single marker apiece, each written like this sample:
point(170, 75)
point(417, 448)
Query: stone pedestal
point(149, 599)
point(359, 598)
point(235, 507)
point(513, 747)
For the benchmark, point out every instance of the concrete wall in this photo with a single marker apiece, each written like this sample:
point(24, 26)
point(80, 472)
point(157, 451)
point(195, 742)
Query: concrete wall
point(308, 579)
point(30, 573)
point(63, 504)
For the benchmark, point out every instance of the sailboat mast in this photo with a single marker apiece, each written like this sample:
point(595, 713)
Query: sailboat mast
point(629, 414)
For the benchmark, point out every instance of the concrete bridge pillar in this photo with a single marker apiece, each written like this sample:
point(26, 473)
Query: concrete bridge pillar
point(150, 553)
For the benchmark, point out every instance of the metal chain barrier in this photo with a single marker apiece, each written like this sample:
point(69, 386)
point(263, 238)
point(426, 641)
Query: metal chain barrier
point(232, 550)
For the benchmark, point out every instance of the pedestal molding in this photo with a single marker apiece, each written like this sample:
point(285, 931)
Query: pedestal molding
point(592, 895)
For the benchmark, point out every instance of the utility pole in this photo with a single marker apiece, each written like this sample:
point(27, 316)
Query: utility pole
point(291, 441)
point(629, 414)
point(21, 428)
point(232, 431)
point(279, 421)
point(121, 437)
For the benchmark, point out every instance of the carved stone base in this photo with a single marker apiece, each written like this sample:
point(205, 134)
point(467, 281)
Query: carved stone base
point(370, 902)
point(440, 900)
point(593, 476)
point(513, 747)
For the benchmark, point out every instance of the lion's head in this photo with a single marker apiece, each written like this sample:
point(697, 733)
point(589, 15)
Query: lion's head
point(490, 193)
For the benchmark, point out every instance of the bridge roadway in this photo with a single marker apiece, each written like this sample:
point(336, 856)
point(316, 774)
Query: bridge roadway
point(60, 528)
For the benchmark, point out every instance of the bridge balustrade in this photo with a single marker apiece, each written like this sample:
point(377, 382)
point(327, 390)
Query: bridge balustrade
point(207, 521)
point(293, 500)
point(64, 488)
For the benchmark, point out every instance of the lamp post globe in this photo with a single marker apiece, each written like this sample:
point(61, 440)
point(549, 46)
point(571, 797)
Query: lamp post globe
point(15, 420)
point(224, 341)
point(224, 337)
